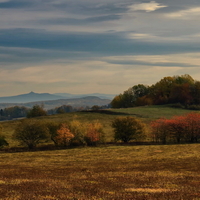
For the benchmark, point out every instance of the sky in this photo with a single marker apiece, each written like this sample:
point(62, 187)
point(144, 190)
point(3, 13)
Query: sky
point(95, 46)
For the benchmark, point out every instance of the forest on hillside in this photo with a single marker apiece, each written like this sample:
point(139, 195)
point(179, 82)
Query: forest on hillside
point(178, 90)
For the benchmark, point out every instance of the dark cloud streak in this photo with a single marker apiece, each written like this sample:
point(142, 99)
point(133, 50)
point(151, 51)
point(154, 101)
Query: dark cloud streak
point(73, 21)
point(100, 44)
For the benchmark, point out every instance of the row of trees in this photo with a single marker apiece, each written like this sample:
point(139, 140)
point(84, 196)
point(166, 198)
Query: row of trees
point(178, 129)
point(169, 90)
point(13, 112)
point(38, 110)
point(31, 132)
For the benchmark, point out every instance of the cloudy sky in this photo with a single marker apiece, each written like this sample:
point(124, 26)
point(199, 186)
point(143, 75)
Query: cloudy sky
point(89, 46)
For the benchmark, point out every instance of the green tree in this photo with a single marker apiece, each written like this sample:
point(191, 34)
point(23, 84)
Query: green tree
point(78, 129)
point(36, 111)
point(31, 133)
point(53, 128)
point(128, 128)
point(3, 141)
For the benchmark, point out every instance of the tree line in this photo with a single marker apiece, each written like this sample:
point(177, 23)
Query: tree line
point(38, 110)
point(182, 90)
point(178, 129)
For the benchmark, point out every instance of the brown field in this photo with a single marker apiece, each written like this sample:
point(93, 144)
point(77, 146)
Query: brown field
point(162, 172)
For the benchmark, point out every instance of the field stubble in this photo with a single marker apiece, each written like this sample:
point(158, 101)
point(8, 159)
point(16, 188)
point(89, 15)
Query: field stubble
point(112, 172)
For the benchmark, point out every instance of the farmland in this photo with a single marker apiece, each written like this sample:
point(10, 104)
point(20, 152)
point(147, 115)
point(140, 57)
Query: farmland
point(112, 172)
point(105, 172)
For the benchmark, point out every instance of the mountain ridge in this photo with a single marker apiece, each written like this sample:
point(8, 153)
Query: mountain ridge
point(34, 97)
point(50, 101)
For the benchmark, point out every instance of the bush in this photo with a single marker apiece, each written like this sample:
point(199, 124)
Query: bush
point(3, 141)
point(31, 133)
point(128, 128)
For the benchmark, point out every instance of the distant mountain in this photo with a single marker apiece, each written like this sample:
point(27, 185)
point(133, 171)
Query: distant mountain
point(71, 96)
point(33, 97)
point(30, 97)
point(49, 104)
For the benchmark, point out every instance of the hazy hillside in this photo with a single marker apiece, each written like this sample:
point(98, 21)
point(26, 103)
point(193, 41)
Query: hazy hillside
point(33, 97)
point(71, 96)
point(30, 97)
point(49, 104)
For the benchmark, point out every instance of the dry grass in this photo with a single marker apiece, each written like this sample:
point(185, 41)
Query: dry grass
point(103, 173)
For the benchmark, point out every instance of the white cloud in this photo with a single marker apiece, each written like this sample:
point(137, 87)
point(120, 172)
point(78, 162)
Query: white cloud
point(187, 59)
point(148, 7)
point(185, 14)
point(163, 39)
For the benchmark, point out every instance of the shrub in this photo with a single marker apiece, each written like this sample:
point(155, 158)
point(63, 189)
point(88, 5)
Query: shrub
point(31, 133)
point(128, 128)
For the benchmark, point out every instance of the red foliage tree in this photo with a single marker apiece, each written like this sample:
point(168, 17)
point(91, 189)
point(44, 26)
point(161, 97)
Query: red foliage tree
point(180, 128)
point(160, 130)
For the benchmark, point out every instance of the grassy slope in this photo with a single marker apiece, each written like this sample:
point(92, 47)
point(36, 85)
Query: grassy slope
point(114, 172)
point(145, 113)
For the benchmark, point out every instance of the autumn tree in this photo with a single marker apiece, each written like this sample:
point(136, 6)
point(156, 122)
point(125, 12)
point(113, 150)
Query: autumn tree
point(128, 128)
point(160, 130)
point(117, 102)
point(94, 133)
point(179, 128)
point(64, 135)
point(192, 121)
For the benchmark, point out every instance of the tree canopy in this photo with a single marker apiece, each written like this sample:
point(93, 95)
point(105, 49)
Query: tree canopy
point(176, 89)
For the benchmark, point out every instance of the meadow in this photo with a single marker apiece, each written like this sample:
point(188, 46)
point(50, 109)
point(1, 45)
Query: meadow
point(107, 172)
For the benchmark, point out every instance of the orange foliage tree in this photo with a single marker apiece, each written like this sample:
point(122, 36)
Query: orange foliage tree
point(64, 135)
point(94, 133)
